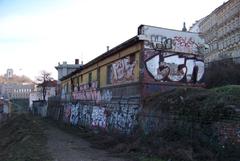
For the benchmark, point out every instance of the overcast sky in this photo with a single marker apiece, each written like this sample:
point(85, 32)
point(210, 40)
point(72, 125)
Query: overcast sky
point(37, 34)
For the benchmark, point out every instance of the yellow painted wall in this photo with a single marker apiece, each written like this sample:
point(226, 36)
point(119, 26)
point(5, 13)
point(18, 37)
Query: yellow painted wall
point(94, 75)
point(103, 76)
point(105, 62)
point(85, 78)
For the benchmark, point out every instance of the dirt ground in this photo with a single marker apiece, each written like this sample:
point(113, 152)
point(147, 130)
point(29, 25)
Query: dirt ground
point(28, 138)
point(67, 147)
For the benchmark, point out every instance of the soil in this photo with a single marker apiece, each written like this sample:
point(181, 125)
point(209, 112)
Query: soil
point(28, 138)
point(67, 147)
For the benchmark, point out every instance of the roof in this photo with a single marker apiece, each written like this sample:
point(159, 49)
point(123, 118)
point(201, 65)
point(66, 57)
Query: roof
point(112, 51)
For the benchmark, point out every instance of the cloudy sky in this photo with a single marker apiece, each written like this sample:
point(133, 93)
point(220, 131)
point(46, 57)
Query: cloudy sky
point(37, 34)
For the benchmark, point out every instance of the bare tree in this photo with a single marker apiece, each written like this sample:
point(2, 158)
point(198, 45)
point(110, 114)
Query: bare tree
point(43, 82)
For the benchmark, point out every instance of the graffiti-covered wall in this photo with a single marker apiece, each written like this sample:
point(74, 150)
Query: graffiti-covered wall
point(120, 115)
point(158, 38)
point(123, 71)
point(172, 67)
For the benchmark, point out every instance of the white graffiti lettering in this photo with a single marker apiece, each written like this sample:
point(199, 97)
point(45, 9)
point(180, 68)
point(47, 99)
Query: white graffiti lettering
point(123, 70)
point(99, 117)
point(175, 68)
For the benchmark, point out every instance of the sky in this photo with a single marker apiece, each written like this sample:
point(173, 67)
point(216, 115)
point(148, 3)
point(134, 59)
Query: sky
point(36, 35)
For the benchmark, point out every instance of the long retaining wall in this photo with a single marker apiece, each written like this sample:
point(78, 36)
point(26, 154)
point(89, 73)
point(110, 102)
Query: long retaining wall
point(119, 114)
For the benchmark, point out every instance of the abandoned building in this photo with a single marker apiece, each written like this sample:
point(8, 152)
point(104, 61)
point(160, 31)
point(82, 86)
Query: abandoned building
point(108, 91)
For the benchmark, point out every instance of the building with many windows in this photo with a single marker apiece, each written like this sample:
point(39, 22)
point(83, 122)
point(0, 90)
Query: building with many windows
point(221, 31)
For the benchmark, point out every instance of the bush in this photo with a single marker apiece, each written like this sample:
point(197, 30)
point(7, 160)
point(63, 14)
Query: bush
point(222, 73)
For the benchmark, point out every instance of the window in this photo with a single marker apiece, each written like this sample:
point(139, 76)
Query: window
point(109, 74)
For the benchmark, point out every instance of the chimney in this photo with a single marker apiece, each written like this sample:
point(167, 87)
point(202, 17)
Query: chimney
point(107, 48)
point(76, 61)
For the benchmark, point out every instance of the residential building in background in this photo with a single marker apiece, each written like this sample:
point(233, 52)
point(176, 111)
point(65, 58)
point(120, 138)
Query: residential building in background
point(16, 91)
point(221, 31)
point(15, 87)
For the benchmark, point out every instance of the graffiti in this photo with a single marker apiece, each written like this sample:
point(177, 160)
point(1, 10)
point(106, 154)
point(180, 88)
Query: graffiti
point(167, 67)
point(67, 113)
point(174, 44)
point(124, 118)
point(91, 93)
point(98, 117)
point(87, 92)
point(171, 40)
point(85, 115)
point(74, 114)
point(161, 42)
point(184, 44)
point(123, 70)
point(106, 95)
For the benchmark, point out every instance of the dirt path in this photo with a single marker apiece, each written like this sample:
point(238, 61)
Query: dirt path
point(66, 147)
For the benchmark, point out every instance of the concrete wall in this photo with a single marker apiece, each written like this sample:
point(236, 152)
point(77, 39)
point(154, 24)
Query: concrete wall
point(119, 114)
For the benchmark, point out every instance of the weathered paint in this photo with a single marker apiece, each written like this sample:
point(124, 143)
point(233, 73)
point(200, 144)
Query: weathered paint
point(171, 40)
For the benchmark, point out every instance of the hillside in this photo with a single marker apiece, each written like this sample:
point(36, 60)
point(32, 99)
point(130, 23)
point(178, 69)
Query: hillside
point(15, 79)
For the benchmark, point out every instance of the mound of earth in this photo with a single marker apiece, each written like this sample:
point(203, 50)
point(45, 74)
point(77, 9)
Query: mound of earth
point(22, 139)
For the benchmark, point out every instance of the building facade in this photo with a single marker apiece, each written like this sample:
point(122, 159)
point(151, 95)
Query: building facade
point(221, 31)
point(16, 90)
point(65, 69)
point(108, 91)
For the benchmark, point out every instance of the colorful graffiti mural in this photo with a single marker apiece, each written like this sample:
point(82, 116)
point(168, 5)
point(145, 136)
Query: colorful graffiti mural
point(175, 44)
point(99, 117)
point(171, 40)
point(172, 67)
point(74, 114)
point(89, 92)
point(106, 95)
point(122, 70)
point(124, 118)
point(114, 116)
